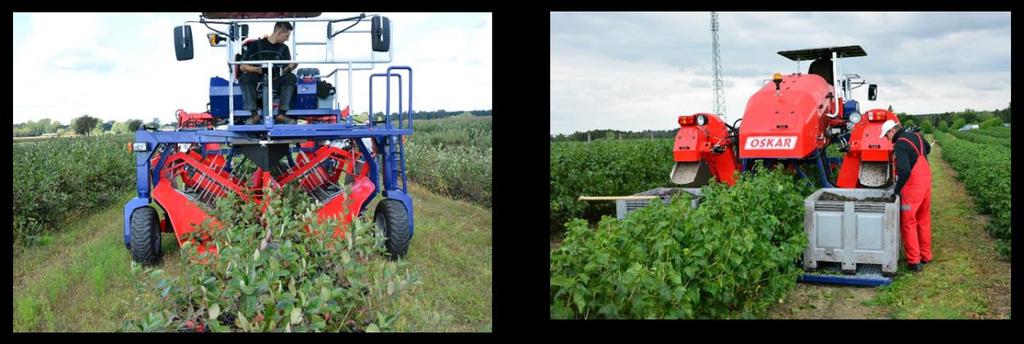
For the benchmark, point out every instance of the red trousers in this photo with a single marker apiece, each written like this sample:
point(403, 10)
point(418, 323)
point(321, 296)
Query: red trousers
point(916, 211)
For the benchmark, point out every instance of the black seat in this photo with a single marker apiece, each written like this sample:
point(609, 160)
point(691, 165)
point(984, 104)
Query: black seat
point(823, 68)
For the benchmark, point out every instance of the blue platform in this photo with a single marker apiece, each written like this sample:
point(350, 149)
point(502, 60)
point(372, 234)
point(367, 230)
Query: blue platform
point(867, 275)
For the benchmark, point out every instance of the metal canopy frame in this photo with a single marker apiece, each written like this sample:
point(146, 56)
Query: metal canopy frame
point(834, 54)
point(820, 53)
point(351, 65)
point(386, 162)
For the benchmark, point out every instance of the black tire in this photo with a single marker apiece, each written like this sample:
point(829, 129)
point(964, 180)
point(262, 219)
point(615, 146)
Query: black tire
point(393, 221)
point(145, 232)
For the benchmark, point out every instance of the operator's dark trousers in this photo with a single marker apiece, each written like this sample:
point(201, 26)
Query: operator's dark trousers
point(284, 85)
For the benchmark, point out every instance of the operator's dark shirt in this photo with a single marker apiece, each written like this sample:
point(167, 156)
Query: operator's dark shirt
point(906, 157)
point(262, 49)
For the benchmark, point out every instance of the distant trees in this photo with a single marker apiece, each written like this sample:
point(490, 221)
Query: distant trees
point(991, 122)
point(134, 125)
point(926, 126)
point(442, 113)
point(968, 116)
point(84, 124)
point(958, 123)
point(36, 128)
point(614, 134)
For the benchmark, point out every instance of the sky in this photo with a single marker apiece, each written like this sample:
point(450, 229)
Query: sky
point(636, 71)
point(119, 66)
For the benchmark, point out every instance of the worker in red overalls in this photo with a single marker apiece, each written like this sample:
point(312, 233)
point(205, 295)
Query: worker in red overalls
point(914, 185)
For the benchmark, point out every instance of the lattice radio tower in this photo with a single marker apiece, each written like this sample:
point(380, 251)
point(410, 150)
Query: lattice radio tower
point(719, 105)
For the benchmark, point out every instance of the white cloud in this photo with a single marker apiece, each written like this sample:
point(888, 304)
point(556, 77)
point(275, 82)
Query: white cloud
point(451, 63)
point(635, 71)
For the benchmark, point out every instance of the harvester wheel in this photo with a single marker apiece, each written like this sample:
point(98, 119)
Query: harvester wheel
point(393, 221)
point(145, 232)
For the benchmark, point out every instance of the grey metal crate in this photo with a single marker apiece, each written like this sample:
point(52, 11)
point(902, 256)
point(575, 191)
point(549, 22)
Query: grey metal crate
point(624, 207)
point(852, 232)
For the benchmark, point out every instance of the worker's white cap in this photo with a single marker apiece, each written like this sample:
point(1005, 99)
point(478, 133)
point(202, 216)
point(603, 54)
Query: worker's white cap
point(886, 126)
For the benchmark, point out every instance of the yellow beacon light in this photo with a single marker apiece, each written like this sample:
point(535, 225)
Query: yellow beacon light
point(777, 79)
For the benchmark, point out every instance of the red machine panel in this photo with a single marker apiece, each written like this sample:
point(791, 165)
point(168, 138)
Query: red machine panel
point(789, 123)
point(703, 138)
point(866, 147)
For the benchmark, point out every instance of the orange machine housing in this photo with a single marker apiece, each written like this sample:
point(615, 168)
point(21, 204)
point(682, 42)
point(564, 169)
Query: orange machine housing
point(790, 123)
point(709, 142)
point(866, 146)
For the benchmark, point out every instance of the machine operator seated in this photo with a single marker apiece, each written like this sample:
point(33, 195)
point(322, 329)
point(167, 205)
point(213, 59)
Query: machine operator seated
point(271, 47)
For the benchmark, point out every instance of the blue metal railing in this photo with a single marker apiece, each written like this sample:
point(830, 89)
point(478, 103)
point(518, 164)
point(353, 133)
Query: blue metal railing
point(404, 118)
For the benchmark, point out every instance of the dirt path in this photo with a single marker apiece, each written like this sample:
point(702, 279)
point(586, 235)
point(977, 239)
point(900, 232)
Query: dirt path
point(966, 280)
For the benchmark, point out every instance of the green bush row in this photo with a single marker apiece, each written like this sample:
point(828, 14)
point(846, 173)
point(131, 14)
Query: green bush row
point(57, 178)
point(981, 138)
point(999, 132)
point(604, 168)
point(452, 156)
point(276, 270)
point(985, 171)
point(732, 257)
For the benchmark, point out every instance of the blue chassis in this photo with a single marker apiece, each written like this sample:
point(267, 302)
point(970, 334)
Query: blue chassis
point(386, 137)
point(822, 161)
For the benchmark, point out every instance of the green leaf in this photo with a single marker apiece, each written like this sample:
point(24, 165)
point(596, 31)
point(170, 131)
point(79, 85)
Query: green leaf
point(675, 277)
point(690, 271)
point(580, 301)
point(214, 311)
point(242, 322)
point(562, 281)
point(296, 316)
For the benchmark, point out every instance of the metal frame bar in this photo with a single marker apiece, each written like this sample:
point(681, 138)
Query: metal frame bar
point(835, 81)
point(148, 176)
point(328, 58)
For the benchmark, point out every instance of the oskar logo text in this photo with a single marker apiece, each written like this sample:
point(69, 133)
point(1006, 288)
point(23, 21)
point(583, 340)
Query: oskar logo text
point(770, 142)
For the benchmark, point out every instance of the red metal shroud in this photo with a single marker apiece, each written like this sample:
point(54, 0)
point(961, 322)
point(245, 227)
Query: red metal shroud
point(866, 146)
point(195, 120)
point(207, 177)
point(694, 143)
point(791, 124)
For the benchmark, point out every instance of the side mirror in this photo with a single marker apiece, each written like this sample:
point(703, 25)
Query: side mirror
point(381, 33)
point(183, 42)
point(872, 92)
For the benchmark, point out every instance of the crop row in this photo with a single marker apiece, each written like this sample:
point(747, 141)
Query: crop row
point(985, 171)
point(732, 257)
point(604, 168)
point(58, 178)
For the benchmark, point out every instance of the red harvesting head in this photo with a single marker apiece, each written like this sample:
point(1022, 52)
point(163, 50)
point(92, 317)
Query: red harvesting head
point(701, 150)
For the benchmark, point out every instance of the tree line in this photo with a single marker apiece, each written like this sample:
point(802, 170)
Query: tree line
point(943, 121)
point(89, 125)
point(82, 125)
point(958, 119)
point(601, 134)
